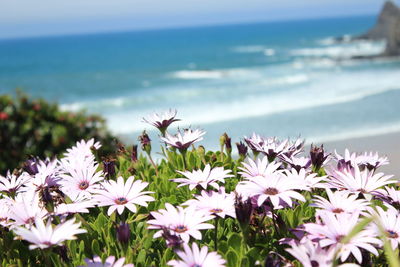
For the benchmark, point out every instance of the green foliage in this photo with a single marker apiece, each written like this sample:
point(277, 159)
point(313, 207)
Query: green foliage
point(36, 127)
point(250, 248)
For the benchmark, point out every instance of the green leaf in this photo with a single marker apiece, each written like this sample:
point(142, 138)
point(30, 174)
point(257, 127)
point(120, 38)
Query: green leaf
point(235, 241)
point(253, 253)
point(245, 262)
point(223, 246)
point(96, 247)
point(100, 222)
point(141, 257)
point(72, 246)
point(232, 258)
point(81, 246)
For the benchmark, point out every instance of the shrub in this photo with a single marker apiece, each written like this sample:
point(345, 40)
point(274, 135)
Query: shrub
point(287, 207)
point(36, 127)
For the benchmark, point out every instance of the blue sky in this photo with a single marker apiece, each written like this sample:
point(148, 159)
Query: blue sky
point(20, 18)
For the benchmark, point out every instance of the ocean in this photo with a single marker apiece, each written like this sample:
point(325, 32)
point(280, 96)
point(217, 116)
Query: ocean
point(284, 79)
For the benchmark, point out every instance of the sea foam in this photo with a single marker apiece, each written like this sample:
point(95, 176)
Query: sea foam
point(360, 48)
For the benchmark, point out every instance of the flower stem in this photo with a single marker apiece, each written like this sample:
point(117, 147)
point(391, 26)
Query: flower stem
point(274, 220)
point(152, 163)
point(183, 152)
point(216, 233)
point(46, 256)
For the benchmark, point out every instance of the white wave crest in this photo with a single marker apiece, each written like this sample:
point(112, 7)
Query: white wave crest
point(269, 52)
point(334, 40)
point(329, 90)
point(362, 48)
point(211, 74)
point(249, 49)
point(197, 74)
point(290, 79)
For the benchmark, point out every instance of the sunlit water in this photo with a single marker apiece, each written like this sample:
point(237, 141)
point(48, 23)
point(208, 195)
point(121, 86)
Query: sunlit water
point(278, 79)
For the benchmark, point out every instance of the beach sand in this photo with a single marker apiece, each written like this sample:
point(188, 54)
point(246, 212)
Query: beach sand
point(386, 145)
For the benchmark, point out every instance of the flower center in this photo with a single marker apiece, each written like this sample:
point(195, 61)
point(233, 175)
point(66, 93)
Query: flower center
point(337, 210)
point(121, 201)
point(271, 191)
point(180, 229)
point(216, 210)
point(30, 220)
point(339, 238)
point(392, 234)
point(47, 243)
point(314, 264)
point(83, 185)
point(362, 190)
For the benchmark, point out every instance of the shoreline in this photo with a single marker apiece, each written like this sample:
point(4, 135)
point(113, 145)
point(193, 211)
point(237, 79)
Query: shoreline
point(385, 144)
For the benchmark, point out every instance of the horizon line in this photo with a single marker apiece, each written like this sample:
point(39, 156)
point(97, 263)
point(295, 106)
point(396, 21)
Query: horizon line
point(177, 27)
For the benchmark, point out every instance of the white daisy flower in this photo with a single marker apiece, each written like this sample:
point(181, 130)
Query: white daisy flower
point(182, 222)
point(215, 203)
point(204, 177)
point(45, 236)
point(194, 257)
point(120, 195)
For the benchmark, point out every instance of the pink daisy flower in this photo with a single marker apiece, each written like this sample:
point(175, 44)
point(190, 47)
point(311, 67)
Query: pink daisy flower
point(390, 196)
point(82, 150)
point(13, 184)
point(183, 141)
point(341, 201)
point(182, 222)
point(204, 177)
point(80, 179)
point(390, 221)
point(120, 195)
point(310, 180)
point(276, 187)
point(296, 162)
point(335, 227)
point(25, 209)
point(47, 175)
point(311, 254)
point(109, 262)
point(161, 121)
point(260, 168)
point(78, 206)
point(214, 203)
point(44, 236)
point(357, 181)
point(193, 257)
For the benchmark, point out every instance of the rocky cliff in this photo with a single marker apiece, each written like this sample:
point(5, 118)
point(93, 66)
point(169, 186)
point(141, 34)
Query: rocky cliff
point(388, 28)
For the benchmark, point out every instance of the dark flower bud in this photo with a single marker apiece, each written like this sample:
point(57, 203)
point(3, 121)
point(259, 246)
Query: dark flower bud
point(123, 233)
point(47, 198)
point(46, 195)
point(145, 142)
point(222, 141)
point(274, 260)
point(227, 143)
point(318, 156)
point(344, 165)
point(30, 166)
point(242, 149)
point(244, 210)
point(109, 168)
point(173, 241)
point(63, 252)
point(134, 154)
